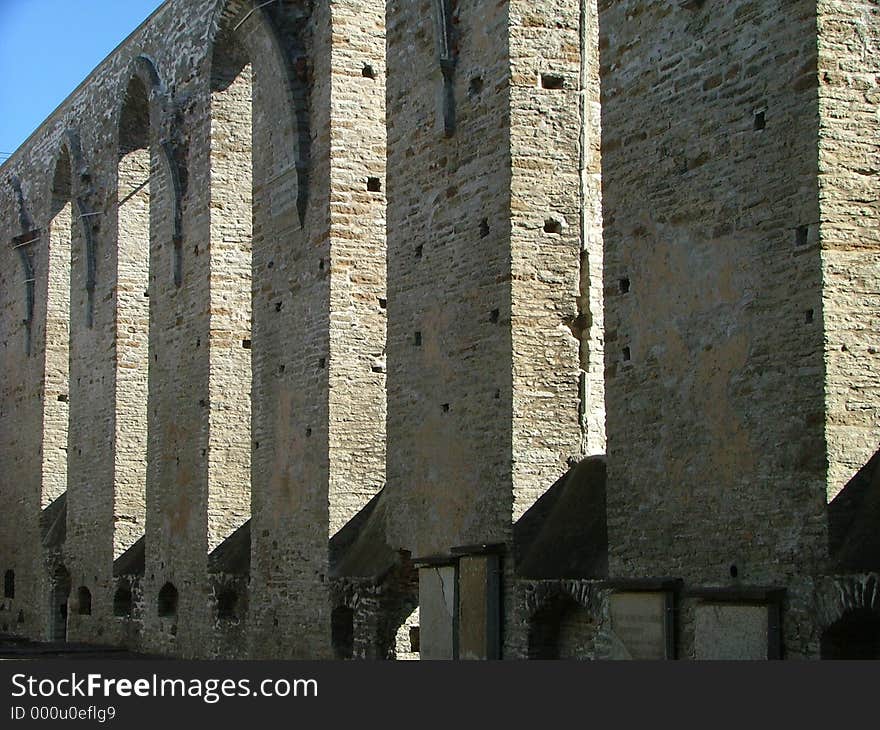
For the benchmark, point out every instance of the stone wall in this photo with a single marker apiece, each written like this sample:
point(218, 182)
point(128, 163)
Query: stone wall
point(714, 367)
point(196, 331)
point(476, 283)
point(228, 418)
point(849, 163)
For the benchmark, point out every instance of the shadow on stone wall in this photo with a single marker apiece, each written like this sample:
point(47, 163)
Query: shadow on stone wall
point(853, 516)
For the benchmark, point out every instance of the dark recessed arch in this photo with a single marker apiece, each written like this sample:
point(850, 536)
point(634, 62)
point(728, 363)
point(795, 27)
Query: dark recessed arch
point(123, 601)
point(142, 78)
point(58, 595)
point(84, 601)
point(228, 605)
point(167, 604)
point(342, 632)
point(274, 35)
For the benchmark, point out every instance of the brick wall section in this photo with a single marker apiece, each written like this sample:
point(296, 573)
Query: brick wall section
point(849, 164)
point(450, 394)
point(591, 305)
point(484, 332)
point(545, 139)
point(289, 523)
point(737, 198)
point(57, 359)
point(357, 250)
point(132, 356)
point(319, 418)
point(177, 482)
point(471, 268)
point(229, 445)
point(21, 418)
point(715, 422)
point(88, 550)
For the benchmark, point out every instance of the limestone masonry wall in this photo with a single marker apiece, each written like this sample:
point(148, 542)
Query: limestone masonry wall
point(405, 329)
point(714, 368)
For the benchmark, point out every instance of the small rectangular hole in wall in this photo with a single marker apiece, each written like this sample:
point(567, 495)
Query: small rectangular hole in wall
point(322, 363)
point(809, 316)
point(419, 251)
point(624, 285)
point(374, 185)
point(368, 72)
point(308, 432)
point(246, 344)
point(760, 121)
point(279, 306)
point(321, 265)
point(475, 88)
point(445, 407)
point(801, 235)
point(496, 314)
point(484, 228)
point(62, 398)
point(552, 226)
point(552, 82)
point(383, 303)
point(627, 354)
point(417, 339)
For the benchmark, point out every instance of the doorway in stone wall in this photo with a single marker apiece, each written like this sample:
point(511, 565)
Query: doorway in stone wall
point(59, 596)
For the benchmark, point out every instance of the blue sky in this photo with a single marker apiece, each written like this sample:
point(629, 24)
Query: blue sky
point(47, 47)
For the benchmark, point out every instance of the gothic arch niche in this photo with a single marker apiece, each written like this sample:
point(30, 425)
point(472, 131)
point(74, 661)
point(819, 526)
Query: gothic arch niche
point(84, 601)
point(562, 629)
point(855, 635)
point(58, 598)
point(135, 193)
point(56, 366)
point(123, 601)
point(166, 606)
point(849, 607)
point(342, 632)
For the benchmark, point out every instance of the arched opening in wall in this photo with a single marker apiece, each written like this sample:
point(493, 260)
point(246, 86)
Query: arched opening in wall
point(406, 641)
point(227, 605)
point(56, 367)
point(167, 606)
point(231, 250)
point(342, 632)
point(9, 584)
point(132, 316)
point(123, 603)
point(855, 636)
point(58, 597)
point(84, 601)
point(563, 629)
